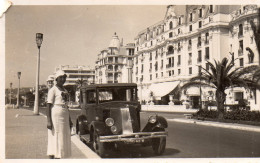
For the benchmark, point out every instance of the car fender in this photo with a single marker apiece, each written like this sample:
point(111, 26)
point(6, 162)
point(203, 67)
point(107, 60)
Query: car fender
point(161, 123)
point(99, 127)
point(81, 125)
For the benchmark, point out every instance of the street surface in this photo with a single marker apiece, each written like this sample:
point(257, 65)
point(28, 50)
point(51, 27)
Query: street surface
point(192, 141)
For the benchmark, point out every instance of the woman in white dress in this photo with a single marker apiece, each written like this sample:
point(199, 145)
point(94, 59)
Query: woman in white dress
point(58, 119)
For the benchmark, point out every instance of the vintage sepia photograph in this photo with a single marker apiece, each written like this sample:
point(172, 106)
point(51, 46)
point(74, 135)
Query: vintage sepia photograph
point(120, 81)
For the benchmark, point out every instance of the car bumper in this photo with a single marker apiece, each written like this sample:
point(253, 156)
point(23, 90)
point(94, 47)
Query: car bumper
point(138, 137)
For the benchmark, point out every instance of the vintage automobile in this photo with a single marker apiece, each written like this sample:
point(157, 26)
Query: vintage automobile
point(110, 116)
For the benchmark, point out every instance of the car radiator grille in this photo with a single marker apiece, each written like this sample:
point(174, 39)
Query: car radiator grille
point(126, 121)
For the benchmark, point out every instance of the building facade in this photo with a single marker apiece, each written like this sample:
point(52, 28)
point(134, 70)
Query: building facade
point(170, 52)
point(76, 75)
point(114, 64)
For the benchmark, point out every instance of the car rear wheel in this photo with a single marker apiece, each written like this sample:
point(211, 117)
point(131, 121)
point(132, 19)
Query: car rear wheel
point(97, 145)
point(158, 145)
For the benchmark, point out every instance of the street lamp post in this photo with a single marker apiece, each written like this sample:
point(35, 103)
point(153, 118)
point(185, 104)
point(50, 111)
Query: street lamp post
point(39, 38)
point(18, 91)
point(10, 102)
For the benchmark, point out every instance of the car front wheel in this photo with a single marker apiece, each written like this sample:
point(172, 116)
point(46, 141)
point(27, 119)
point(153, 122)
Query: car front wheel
point(158, 145)
point(97, 145)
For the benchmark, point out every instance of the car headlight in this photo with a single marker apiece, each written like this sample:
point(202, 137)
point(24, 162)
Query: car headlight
point(114, 129)
point(152, 119)
point(109, 122)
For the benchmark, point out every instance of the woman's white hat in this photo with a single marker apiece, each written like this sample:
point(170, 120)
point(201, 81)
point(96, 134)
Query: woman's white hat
point(60, 73)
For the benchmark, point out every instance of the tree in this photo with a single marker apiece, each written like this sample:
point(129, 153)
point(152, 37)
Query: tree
point(81, 82)
point(256, 31)
point(221, 76)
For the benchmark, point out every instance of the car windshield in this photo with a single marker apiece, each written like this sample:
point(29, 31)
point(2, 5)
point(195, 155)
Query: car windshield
point(116, 94)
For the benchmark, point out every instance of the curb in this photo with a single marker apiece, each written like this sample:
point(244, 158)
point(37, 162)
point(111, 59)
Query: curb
point(219, 124)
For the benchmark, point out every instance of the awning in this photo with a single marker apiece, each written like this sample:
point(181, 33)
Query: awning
point(193, 91)
point(162, 89)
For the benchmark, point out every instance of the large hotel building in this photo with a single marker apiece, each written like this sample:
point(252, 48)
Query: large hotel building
point(171, 51)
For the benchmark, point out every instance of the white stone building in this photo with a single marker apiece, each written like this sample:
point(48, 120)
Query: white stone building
point(171, 51)
point(114, 64)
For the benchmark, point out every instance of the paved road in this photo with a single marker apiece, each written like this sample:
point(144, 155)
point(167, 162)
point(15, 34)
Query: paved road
point(194, 141)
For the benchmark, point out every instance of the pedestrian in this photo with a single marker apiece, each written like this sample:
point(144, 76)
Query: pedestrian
point(58, 119)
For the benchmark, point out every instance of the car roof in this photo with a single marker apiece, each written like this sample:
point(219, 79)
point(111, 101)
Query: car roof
point(110, 85)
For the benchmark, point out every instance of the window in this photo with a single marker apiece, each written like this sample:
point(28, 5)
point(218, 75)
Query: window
point(241, 62)
point(179, 46)
point(170, 73)
point(190, 70)
point(151, 43)
point(172, 65)
point(91, 96)
point(142, 69)
point(170, 26)
point(161, 64)
point(241, 47)
point(207, 38)
point(190, 17)
point(179, 21)
point(190, 59)
point(151, 67)
point(156, 66)
point(179, 60)
point(156, 75)
point(190, 28)
point(200, 12)
point(189, 44)
point(210, 8)
point(240, 33)
point(238, 96)
point(151, 57)
point(136, 70)
point(199, 42)
point(207, 66)
point(179, 31)
point(136, 79)
point(170, 50)
point(179, 71)
point(151, 77)
point(161, 74)
point(170, 35)
point(207, 53)
point(200, 24)
point(199, 56)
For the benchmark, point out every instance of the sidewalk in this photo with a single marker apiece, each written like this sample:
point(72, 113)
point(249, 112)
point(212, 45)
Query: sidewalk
point(26, 137)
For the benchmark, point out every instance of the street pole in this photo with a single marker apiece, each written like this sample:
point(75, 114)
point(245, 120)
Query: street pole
point(18, 92)
point(39, 38)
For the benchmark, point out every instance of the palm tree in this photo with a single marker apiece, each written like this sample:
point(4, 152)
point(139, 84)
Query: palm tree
point(221, 76)
point(81, 82)
point(256, 31)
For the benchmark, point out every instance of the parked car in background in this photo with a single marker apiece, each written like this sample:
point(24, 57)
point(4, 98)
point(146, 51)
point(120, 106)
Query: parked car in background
point(110, 115)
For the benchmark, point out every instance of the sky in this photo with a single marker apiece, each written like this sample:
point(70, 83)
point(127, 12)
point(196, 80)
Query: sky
point(72, 35)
